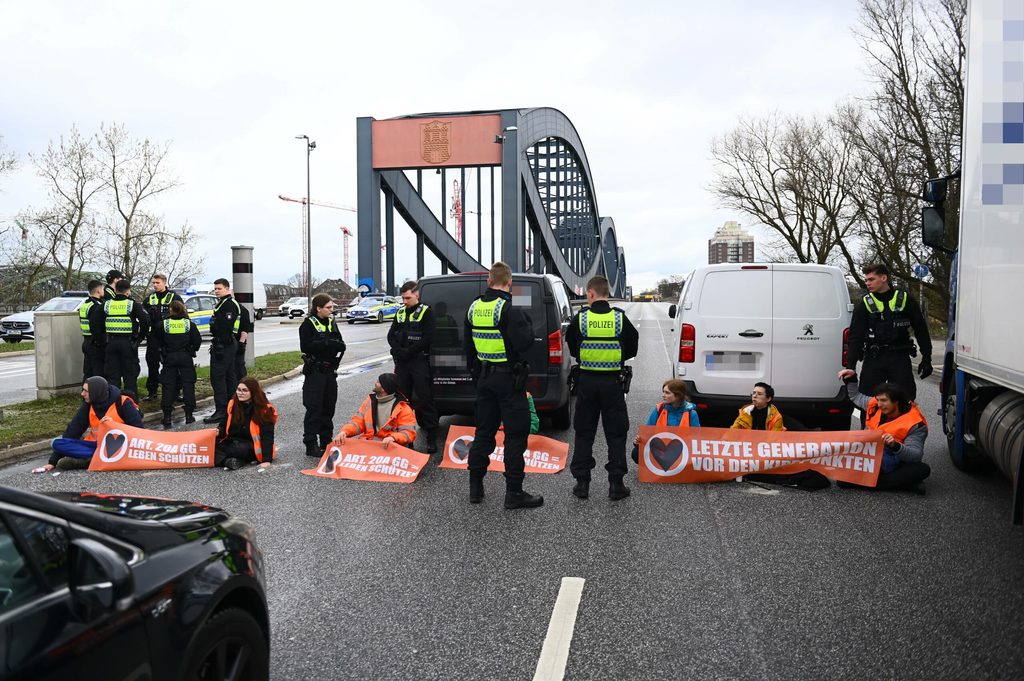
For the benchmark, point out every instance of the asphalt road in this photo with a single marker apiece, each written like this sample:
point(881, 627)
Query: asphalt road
point(724, 581)
point(272, 334)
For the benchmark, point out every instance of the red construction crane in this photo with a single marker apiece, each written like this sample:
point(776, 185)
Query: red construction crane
point(305, 217)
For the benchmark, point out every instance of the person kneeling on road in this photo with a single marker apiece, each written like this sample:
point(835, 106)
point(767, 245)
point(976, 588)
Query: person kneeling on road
point(247, 434)
point(673, 411)
point(385, 415)
point(904, 431)
point(103, 402)
point(762, 414)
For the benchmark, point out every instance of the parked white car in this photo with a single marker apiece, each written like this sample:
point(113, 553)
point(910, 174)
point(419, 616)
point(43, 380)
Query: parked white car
point(19, 327)
point(783, 324)
point(294, 307)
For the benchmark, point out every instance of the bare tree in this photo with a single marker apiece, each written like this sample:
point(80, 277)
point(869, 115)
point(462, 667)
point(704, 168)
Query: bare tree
point(74, 181)
point(789, 174)
point(8, 161)
point(136, 172)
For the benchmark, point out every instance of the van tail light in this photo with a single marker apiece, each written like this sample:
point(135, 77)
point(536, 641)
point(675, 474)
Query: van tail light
point(555, 347)
point(846, 345)
point(687, 343)
point(835, 411)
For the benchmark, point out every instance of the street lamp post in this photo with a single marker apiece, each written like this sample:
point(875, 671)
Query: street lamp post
point(307, 275)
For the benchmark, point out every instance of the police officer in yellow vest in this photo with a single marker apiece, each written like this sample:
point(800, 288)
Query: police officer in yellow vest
point(113, 276)
point(226, 330)
point(601, 338)
point(496, 336)
point(158, 307)
point(125, 322)
point(880, 335)
point(410, 337)
point(179, 341)
point(94, 335)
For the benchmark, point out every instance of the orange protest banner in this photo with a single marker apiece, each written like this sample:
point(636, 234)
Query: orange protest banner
point(359, 459)
point(542, 455)
point(714, 454)
point(127, 448)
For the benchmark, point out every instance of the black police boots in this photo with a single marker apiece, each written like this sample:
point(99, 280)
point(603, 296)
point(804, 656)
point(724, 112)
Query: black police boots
point(515, 497)
point(313, 450)
point(216, 417)
point(189, 418)
point(617, 490)
point(166, 422)
point(476, 488)
point(581, 490)
point(432, 441)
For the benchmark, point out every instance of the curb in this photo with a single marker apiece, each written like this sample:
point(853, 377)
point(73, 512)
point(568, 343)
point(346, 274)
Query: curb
point(13, 454)
point(17, 353)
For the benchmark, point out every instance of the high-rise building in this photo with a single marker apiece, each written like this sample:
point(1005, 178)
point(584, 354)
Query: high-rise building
point(731, 243)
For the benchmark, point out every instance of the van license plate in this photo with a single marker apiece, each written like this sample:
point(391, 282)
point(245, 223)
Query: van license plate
point(730, 361)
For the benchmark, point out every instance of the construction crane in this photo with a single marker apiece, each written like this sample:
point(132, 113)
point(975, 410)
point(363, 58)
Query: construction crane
point(305, 218)
point(347, 233)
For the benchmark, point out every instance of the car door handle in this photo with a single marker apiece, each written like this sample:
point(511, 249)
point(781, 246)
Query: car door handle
point(750, 333)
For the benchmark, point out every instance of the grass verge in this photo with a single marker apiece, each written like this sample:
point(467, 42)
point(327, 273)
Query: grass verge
point(39, 419)
point(16, 347)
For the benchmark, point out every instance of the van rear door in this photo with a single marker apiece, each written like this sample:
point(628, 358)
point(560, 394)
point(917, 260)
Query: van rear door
point(810, 316)
point(732, 329)
point(450, 298)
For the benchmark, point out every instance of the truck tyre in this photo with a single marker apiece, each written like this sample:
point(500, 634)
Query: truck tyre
point(1001, 431)
point(972, 460)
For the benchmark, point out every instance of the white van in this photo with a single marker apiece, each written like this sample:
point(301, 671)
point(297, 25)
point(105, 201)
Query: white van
point(784, 324)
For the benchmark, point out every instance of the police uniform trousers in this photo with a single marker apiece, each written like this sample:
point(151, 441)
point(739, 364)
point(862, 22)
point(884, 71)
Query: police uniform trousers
point(319, 397)
point(179, 373)
point(122, 363)
point(414, 382)
point(93, 358)
point(887, 366)
point(153, 377)
point(241, 371)
point(223, 378)
point(498, 403)
point(599, 396)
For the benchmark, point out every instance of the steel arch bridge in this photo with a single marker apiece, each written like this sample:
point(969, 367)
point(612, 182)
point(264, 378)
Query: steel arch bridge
point(540, 190)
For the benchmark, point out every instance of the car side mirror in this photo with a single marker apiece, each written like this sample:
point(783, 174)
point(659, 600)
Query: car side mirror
point(99, 579)
point(672, 311)
point(933, 227)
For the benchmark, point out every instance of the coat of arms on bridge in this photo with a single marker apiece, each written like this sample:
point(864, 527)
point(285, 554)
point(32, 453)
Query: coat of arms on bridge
point(435, 142)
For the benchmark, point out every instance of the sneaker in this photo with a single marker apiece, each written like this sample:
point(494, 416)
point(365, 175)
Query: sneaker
point(232, 464)
point(72, 463)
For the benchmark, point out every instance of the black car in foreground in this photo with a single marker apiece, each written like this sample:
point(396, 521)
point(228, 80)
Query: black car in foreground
point(100, 586)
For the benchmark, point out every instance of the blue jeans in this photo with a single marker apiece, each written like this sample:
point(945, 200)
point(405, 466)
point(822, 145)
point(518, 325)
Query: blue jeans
point(73, 447)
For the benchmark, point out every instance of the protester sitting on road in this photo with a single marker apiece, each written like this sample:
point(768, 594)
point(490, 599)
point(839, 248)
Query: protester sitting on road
point(385, 415)
point(904, 431)
point(762, 414)
point(71, 450)
point(674, 410)
point(247, 434)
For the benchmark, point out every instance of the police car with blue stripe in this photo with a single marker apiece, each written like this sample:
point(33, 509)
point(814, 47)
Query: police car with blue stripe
point(374, 308)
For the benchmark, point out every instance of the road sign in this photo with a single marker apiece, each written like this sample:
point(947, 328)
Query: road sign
point(920, 271)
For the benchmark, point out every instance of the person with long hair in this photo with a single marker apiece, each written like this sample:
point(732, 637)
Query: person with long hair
point(247, 434)
point(673, 411)
point(322, 349)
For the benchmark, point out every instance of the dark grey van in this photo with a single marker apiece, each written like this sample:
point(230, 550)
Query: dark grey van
point(544, 297)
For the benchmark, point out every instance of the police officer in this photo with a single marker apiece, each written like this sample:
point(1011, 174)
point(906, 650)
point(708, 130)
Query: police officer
point(497, 335)
point(322, 349)
point(880, 335)
point(410, 337)
point(179, 341)
point(245, 327)
point(601, 338)
point(225, 325)
point(125, 322)
point(113, 276)
point(94, 335)
point(158, 307)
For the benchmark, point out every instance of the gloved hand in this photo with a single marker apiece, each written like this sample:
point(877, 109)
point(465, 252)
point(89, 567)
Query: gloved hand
point(924, 369)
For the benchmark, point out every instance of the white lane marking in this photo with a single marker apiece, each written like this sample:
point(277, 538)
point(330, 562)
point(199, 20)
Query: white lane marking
point(555, 653)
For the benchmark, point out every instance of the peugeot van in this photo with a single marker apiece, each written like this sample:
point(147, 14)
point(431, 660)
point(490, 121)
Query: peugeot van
point(787, 325)
point(544, 297)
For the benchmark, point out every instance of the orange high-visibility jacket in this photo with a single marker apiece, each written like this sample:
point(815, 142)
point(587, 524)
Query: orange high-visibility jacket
point(401, 425)
point(112, 413)
point(254, 431)
point(898, 427)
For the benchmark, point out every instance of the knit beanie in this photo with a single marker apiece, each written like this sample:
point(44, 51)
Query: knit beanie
point(389, 382)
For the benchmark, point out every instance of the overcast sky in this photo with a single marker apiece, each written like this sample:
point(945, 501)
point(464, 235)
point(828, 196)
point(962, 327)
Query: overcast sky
point(648, 85)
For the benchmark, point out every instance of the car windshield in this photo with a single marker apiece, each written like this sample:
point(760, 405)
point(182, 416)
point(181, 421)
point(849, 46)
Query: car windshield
point(371, 302)
point(296, 301)
point(60, 304)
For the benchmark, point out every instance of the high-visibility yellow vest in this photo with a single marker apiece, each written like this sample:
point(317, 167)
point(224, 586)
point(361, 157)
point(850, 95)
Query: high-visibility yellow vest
point(487, 339)
point(83, 316)
point(321, 328)
point(415, 317)
point(238, 318)
point(119, 317)
point(177, 327)
point(601, 349)
point(876, 306)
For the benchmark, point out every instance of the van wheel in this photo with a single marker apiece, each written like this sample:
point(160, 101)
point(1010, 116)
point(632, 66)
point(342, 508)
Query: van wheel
point(561, 418)
point(259, 315)
point(229, 639)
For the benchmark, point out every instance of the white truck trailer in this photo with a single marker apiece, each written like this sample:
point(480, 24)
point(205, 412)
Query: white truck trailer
point(982, 383)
